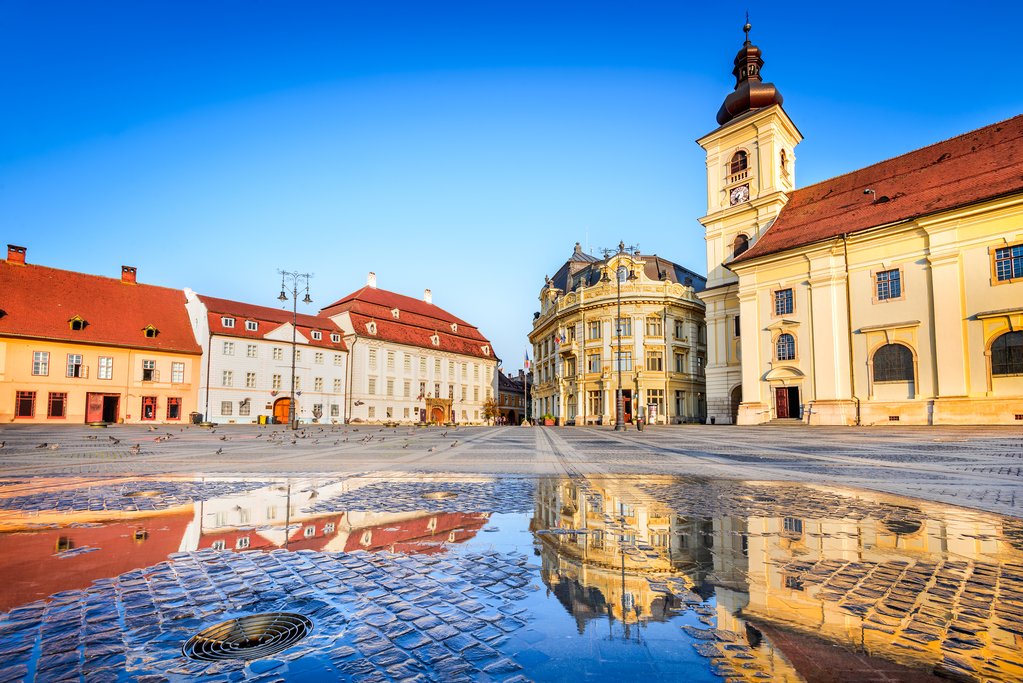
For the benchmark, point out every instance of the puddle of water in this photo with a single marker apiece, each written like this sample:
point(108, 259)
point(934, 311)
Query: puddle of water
point(553, 579)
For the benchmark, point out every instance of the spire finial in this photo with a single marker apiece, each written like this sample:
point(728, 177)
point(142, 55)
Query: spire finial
point(747, 27)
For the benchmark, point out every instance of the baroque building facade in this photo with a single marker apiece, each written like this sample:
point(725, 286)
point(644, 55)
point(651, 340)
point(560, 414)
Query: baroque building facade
point(891, 294)
point(662, 349)
point(79, 348)
point(411, 361)
point(247, 362)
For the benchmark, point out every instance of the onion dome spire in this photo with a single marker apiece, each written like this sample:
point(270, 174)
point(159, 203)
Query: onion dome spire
point(750, 92)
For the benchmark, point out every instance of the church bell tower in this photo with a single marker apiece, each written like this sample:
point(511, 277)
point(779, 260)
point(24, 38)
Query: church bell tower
point(751, 170)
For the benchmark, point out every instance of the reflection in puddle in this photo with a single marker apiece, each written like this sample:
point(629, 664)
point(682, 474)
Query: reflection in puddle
point(656, 577)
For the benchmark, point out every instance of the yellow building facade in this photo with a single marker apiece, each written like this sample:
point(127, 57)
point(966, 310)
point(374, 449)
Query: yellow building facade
point(660, 351)
point(78, 348)
point(892, 294)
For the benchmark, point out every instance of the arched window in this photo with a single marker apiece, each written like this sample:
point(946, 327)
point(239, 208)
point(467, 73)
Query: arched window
point(893, 363)
point(1007, 354)
point(739, 245)
point(785, 347)
point(739, 162)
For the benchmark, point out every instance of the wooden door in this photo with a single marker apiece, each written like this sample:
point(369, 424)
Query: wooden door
point(781, 402)
point(437, 415)
point(282, 406)
point(94, 407)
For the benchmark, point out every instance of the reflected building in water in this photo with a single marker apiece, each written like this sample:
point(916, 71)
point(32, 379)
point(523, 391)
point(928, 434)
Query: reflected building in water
point(902, 588)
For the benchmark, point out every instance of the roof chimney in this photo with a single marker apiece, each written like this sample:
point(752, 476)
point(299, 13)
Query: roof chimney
point(128, 274)
point(371, 280)
point(16, 254)
point(427, 296)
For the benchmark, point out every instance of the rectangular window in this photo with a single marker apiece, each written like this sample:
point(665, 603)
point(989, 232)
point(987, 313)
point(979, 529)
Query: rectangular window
point(57, 405)
point(337, 386)
point(680, 329)
point(372, 359)
point(298, 354)
point(318, 384)
point(593, 329)
point(405, 413)
point(793, 525)
point(406, 389)
point(654, 327)
point(1009, 263)
point(371, 412)
point(173, 408)
point(422, 365)
point(106, 367)
point(655, 361)
point(276, 383)
point(422, 390)
point(74, 365)
point(390, 387)
point(656, 396)
point(436, 389)
point(317, 335)
point(298, 383)
point(465, 371)
point(451, 392)
point(371, 385)
point(278, 353)
point(337, 359)
point(318, 358)
point(335, 337)
point(407, 363)
point(451, 369)
point(888, 284)
point(465, 392)
point(25, 404)
point(593, 362)
point(227, 378)
point(227, 322)
point(251, 351)
point(251, 325)
point(570, 367)
point(476, 394)
point(625, 358)
point(736, 328)
point(436, 367)
point(41, 363)
point(388, 412)
point(226, 408)
point(595, 403)
point(250, 380)
point(177, 372)
point(245, 407)
point(335, 410)
point(783, 302)
point(475, 371)
point(390, 360)
point(624, 325)
point(680, 362)
point(228, 348)
point(149, 371)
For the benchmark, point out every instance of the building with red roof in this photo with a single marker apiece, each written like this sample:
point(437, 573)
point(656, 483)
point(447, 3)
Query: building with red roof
point(891, 294)
point(247, 362)
point(410, 360)
point(85, 348)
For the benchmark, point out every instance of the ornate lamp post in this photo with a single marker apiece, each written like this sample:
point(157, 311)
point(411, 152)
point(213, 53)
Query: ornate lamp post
point(296, 279)
point(621, 273)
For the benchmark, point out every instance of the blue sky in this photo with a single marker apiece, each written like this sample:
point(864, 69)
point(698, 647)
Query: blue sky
point(460, 146)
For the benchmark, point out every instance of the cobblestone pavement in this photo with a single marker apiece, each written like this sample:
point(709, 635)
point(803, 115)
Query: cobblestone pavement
point(975, 467)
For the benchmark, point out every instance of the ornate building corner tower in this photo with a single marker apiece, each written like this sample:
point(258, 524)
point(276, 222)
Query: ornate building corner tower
point(751, 166)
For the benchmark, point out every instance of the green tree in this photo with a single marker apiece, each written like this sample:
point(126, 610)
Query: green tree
point(491, 410)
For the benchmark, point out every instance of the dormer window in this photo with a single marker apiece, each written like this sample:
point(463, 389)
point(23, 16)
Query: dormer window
point(486, 350)
point(317, 335)
point(395, 313)
point(371, 328)
point(454, 327)
point(150, 331)
point(77, 323)
point(435, 340)
point(336, 338)
point(251, 325)
point(739, 245)
point(227, 322)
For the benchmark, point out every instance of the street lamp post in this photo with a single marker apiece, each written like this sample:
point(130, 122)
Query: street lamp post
point(296, 279)
point(621, 272)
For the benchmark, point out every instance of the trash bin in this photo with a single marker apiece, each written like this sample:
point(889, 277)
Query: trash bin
point(195, 418)
point(639, 424)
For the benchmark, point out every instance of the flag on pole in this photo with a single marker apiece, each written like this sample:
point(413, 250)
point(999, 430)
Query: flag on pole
point(525, 363)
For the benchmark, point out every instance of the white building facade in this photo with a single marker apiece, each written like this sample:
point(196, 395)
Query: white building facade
point(247, 363)
point(411, 361)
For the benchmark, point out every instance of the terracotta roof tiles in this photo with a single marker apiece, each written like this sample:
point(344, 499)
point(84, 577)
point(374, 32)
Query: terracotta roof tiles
point(269, 319)
point(38, 302)
point(972, 167)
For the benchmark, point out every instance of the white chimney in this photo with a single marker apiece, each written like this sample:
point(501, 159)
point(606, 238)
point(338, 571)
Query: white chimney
point(371, 280)
point(427, 296)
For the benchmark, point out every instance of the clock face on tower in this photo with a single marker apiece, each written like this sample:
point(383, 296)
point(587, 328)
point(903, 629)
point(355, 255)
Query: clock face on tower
point(739, 194)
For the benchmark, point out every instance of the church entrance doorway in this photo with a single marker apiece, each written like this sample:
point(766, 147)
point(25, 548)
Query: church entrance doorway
point(282, 407)
point(786, 402)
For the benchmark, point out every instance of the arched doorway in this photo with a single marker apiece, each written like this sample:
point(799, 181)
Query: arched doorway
point(736, 400)
point(282, 407)
point(437, 415)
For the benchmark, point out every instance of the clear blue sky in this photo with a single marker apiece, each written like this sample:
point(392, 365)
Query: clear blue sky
point(460, 146)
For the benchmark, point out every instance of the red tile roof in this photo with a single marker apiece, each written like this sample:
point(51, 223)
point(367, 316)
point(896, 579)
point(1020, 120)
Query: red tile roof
point(983, 164)
point(416, 324)
point(38, 302)
point(269, 319)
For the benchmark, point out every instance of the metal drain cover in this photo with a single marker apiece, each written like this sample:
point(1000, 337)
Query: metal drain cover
point(249, 637)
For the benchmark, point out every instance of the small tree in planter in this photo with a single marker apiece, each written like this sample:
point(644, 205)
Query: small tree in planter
point(548, 420)
point(491, 410)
